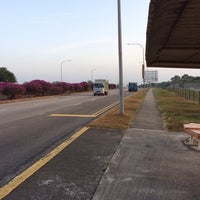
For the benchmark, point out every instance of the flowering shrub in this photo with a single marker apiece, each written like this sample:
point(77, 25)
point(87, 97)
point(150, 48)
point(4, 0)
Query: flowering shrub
point(1, 89)
point(41, 88)
point(80, 87)
point(46, 86)
point(2, 85)
point(112, 86)
point(55, 90)
point(77, 87)
point(33, 88)
point(67, 87)
point(86, 86)
point(12, 90)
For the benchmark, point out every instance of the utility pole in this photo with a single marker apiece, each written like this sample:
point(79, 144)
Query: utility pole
point(120, 60)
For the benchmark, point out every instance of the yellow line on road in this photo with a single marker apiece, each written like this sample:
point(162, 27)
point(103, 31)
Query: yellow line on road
point(5, 190)
point(71, 115)
point(104, 109)
point(82, 115)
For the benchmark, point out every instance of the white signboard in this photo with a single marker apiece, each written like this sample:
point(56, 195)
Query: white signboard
point(151, 76)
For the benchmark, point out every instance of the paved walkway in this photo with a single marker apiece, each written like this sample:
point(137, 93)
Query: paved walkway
point(151, 163)
point(148, 117)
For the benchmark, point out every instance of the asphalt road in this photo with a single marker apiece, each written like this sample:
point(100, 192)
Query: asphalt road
point(28, 131)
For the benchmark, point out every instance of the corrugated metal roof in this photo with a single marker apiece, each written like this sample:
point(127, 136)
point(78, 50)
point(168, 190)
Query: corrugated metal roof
point(173, 34)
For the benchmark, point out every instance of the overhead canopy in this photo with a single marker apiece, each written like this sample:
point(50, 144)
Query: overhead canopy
point(173, 34)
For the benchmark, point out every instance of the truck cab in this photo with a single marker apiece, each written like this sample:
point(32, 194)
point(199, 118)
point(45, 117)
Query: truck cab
point(100, 87)
point(132, 87)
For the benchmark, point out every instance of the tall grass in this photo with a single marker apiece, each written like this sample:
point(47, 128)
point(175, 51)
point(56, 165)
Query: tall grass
point(175, 110)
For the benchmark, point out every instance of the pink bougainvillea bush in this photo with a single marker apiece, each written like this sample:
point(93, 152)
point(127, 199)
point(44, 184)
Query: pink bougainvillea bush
point(112, 86)
point(66, 87)
point(33, 88)
point(13, 90)
point(1, 89)
point(39, 88)
point(42, 88)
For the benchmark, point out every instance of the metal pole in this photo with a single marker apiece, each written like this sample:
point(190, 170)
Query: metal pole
point(120, 60)
point(92, 70)
point(61, 68)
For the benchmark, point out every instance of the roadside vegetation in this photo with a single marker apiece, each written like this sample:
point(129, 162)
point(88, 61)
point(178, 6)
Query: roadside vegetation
point(175, 110)
point(178, 81)
point(10, 89)
point(113, 118)
point(7, 76)
point(38, 88)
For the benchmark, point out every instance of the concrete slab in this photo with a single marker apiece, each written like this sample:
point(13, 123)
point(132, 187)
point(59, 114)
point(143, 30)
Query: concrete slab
point(151, 165)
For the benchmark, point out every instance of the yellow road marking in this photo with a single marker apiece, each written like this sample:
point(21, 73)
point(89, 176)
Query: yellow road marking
point(80, 115)
point(5, 190)
point(71, 115)
point(104, 109)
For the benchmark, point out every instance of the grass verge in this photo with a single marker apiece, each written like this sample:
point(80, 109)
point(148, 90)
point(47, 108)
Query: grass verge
point(175, 110)
point(113, 118)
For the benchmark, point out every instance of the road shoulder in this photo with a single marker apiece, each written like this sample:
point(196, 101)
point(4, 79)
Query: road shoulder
point(75, 172)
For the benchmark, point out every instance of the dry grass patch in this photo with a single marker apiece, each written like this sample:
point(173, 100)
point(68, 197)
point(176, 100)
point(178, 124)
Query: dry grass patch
point(113, 118)
point(175, 110)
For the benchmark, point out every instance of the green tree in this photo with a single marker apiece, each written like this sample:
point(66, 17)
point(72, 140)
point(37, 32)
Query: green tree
point(175, 79)
point(7, 76)
point(186, 77)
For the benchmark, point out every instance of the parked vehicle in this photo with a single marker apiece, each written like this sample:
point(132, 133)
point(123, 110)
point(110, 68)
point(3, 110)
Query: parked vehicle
point(100, 87)
point(132, 87)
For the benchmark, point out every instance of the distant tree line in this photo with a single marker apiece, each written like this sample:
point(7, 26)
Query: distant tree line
point(185, 77)
point(178, 81)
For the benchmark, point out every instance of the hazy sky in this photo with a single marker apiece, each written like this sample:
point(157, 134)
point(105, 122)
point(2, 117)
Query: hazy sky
point(37, 35)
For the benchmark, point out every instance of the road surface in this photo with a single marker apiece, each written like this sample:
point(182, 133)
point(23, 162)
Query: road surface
point(30, 129)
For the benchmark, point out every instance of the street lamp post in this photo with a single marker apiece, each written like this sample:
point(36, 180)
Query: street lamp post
point(142, 59)
point(61, 68)
point(92, 70)
point(120, 60)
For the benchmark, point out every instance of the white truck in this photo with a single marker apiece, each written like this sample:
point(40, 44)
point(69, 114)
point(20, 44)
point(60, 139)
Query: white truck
point(100, 87)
